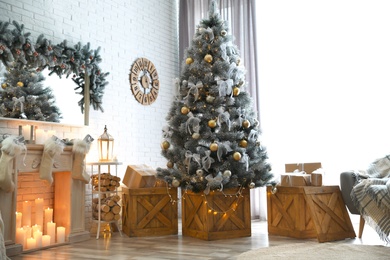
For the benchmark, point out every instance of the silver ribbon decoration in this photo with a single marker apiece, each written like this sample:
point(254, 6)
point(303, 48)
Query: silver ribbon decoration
point(240, 118)
point(253, 135)
point(207, 160)
point(225, 87)
point(245, 159)
point(192, 124)
point(17, 101)
point(216, 181)
point(210, 33)
point(189, 156)
point(167, 133)
point(223, 148)
point(223, 51)
point(194, 89)
point(223, 117)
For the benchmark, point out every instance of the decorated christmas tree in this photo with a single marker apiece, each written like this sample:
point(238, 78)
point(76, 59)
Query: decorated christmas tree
point(24, 95)
point(212, 138)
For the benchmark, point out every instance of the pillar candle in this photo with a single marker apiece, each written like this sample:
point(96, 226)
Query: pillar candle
point(36, 228)
point(40, 137)
point(51, 231)
point(27, 234)
point(48, 215)
point(20, 233)
point(38, 238)
point(39, 212)
point(18, 220)
point(26, 213)
point(60, 234)
point(31, 243)
point(26, 132)
point(46, 240)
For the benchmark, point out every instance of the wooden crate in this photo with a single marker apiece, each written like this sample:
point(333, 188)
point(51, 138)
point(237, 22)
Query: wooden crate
point(149, 212)
point(218, 215)
point(308, 212)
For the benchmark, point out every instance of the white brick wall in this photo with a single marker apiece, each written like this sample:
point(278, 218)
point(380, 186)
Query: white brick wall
point(125, 30)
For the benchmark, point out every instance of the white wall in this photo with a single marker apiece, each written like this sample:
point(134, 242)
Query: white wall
point(125, 30)
point(324, 80)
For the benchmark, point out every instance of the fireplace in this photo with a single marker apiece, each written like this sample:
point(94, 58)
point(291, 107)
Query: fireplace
point(63, 196)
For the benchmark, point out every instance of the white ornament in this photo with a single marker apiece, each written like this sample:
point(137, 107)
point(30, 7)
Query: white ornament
point(175, 183)
point(196, 136)
point(210, 99)
point(199, 172)
point(227, 174)
point(252, 185)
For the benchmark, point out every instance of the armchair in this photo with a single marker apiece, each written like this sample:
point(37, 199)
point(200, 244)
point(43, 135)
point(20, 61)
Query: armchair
point(347, 181)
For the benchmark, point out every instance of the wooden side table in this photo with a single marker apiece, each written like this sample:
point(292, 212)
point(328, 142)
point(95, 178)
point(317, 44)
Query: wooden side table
point(308, 212)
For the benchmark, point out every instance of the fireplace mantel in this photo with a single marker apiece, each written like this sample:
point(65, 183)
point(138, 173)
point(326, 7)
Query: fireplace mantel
point(68, 207)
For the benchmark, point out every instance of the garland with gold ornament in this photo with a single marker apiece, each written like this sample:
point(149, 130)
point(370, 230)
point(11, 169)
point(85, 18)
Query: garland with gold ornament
point(17, 50)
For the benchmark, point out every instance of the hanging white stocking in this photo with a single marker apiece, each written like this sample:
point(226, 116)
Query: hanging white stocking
point(10, 147)
point(53, 147)
point(80, 150)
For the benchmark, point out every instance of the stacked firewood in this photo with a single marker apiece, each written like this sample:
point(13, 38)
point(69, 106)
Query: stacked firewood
point(109, 207)
point(108, 182)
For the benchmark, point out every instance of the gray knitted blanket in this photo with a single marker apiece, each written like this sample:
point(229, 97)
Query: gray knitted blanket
point(371, 196)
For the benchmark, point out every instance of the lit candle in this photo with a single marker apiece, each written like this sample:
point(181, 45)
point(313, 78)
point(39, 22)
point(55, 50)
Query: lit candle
point(26, 213)
point(26, 132)
point(27, 234)
point(31, 243)
point(60, 234)
point(20, 234)
point(46, 240)
point(36, 228)
point(18, 219)
point(39, 212)
point(51, 231)
point(48, 215)
point(38, 238)
point(40, 136)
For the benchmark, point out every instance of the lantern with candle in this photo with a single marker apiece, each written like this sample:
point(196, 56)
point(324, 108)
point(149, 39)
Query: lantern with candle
point(105, 146)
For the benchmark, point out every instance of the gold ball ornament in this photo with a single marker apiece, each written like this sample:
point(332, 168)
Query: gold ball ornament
point(170, 164)
point(185, 110)
point(212, 123)
point(236, 156)
point(4, 85)
point(165, 145)
point(189, 60)
point(175, 183)
point(196, 136)
point(246, 123)
point(238, 61)
point(208, 58)
point(252, 185)
point(20, 84)
point(236, 91)
point(214, 147)
point(243, 143)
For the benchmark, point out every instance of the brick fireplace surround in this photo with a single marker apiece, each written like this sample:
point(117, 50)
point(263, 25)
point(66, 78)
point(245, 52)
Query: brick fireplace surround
point(63, 195)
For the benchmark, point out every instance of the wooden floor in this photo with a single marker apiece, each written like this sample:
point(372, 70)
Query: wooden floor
point(177, 246)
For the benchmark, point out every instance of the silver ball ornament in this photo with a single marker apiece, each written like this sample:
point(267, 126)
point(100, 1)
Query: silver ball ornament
point(199, 172)
point(227, 174)
point(252, 185)
point(175, 183)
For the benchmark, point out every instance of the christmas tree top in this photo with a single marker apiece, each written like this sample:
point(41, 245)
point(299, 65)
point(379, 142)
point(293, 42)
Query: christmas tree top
point(212, 137)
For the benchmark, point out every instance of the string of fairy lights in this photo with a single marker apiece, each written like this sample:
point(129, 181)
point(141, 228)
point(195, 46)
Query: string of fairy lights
point(211, 209)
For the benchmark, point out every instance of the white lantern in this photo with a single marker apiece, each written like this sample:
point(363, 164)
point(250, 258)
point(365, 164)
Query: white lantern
point(106, 146)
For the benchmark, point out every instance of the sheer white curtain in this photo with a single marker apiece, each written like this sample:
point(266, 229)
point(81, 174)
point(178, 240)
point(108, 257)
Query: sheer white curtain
point(240, 14)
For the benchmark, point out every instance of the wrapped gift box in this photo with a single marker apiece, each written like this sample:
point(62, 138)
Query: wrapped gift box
point(295, 179)
point(302, 167)
point(139, 176)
